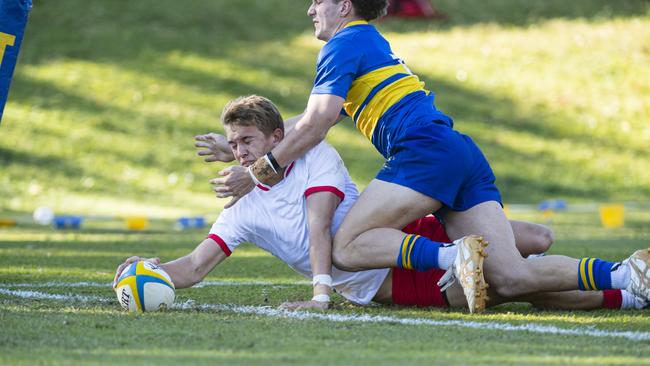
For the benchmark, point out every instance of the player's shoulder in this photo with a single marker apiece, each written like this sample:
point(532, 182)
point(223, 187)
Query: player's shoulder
point(340, 43)
point(322, 151)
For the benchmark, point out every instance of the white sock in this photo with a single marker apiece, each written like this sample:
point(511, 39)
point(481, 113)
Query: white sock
point(620, 276)
point(447, 255)
point(632, 302)
point(628, 300)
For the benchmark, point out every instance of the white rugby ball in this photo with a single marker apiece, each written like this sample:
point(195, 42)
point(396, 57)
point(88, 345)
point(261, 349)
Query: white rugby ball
point(143, 286)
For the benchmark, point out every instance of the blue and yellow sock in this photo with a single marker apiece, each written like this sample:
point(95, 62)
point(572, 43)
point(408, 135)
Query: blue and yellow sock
point(594, 274)
point(419, 253)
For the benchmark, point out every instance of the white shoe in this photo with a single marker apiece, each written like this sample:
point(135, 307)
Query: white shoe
point(639, 303)
point(639, 264)
point(468, 269)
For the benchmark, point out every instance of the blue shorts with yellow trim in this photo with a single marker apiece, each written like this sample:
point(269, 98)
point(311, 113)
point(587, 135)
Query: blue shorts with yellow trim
point(433, 159)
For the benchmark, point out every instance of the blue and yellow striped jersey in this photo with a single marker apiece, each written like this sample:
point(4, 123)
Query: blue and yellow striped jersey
point(381, 94)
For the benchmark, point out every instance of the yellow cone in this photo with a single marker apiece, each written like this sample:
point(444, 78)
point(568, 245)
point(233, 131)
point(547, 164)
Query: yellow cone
point(612, 216)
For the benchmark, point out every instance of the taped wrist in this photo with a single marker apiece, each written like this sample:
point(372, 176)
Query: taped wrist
point(262, 171)
point(322, 279)
point(321, 298)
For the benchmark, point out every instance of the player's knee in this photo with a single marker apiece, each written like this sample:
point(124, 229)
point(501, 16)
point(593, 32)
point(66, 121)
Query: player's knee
point(342, 260)
point(341, 245)
point(546, 239)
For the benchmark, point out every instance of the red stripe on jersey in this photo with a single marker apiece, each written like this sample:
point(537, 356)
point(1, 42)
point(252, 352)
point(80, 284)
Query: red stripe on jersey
point(288, 170)
point(312, 190)
point(262, 187)
point(220, 243)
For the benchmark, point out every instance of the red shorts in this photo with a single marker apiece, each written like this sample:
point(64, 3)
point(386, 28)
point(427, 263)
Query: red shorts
point(413, 288)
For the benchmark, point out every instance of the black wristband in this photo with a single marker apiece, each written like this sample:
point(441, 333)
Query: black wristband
point(274, 162)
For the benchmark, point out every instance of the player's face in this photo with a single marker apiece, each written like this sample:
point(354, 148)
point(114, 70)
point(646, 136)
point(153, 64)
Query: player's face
point(248, 143)
point(327, 17)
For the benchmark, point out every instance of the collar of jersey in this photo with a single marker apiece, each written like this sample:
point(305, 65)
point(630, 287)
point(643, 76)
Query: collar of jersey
point(286, 173)
point(355, 22)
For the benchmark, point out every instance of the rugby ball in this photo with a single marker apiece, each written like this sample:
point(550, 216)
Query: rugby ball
point(143, 286)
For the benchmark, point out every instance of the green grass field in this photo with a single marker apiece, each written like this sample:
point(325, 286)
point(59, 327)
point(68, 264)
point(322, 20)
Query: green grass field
point(107, 96)
point(36, 263)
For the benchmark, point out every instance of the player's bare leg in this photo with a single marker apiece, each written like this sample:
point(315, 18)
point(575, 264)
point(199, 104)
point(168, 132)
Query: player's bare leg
point(373, 225)
point(565, 300)
point(507, 272)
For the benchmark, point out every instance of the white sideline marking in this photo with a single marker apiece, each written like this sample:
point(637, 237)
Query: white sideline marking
point(340, 318)
point(45, 296)
point(198, 285)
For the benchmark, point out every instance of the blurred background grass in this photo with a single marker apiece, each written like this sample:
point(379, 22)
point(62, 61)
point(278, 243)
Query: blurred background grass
point(107, 96)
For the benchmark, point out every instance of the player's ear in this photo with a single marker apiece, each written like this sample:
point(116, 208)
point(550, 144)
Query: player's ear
point(278, 135)
point(346, 8)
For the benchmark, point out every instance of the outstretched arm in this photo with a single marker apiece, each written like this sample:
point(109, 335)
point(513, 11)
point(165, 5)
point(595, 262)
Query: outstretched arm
point(192, 268)
point(188, 270)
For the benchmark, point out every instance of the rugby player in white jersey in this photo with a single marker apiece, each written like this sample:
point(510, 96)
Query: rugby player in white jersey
point(296, 219)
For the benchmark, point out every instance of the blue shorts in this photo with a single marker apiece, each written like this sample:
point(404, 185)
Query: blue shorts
point(433, 159)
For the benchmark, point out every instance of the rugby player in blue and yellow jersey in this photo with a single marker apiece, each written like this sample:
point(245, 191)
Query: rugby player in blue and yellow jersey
point(429, 167)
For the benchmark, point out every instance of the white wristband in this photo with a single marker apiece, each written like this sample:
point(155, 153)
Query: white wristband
point(321, 298)
point(322, 279)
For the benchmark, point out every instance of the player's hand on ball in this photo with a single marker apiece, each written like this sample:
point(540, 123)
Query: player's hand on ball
point(215, 147)
point(302, 305)
point(235, 182)
point(130, 260)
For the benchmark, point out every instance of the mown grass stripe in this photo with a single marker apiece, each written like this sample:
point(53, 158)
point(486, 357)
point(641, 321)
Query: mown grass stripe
point(341, 318)
point(109, 284)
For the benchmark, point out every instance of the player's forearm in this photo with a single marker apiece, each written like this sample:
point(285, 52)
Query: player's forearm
point(192, 268)
point(181, 273)
point(305, 135)
point(290, 124)
point(320, 255)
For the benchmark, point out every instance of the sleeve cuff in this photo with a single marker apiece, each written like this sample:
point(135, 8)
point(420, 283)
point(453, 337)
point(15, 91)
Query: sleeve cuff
point(220, 243)
point(331, 189)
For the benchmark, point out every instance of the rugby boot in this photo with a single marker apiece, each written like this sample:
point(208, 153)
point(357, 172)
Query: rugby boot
point(639, 264)
point(468, 269)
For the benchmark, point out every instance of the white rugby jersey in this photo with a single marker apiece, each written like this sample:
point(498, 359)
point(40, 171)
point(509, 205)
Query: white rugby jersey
point(275, 220)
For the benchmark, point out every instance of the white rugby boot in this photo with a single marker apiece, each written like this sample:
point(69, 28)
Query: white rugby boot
point(468, 269)
point(639, 265)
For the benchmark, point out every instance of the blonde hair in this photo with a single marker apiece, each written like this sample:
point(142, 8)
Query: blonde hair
point(253, 110)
